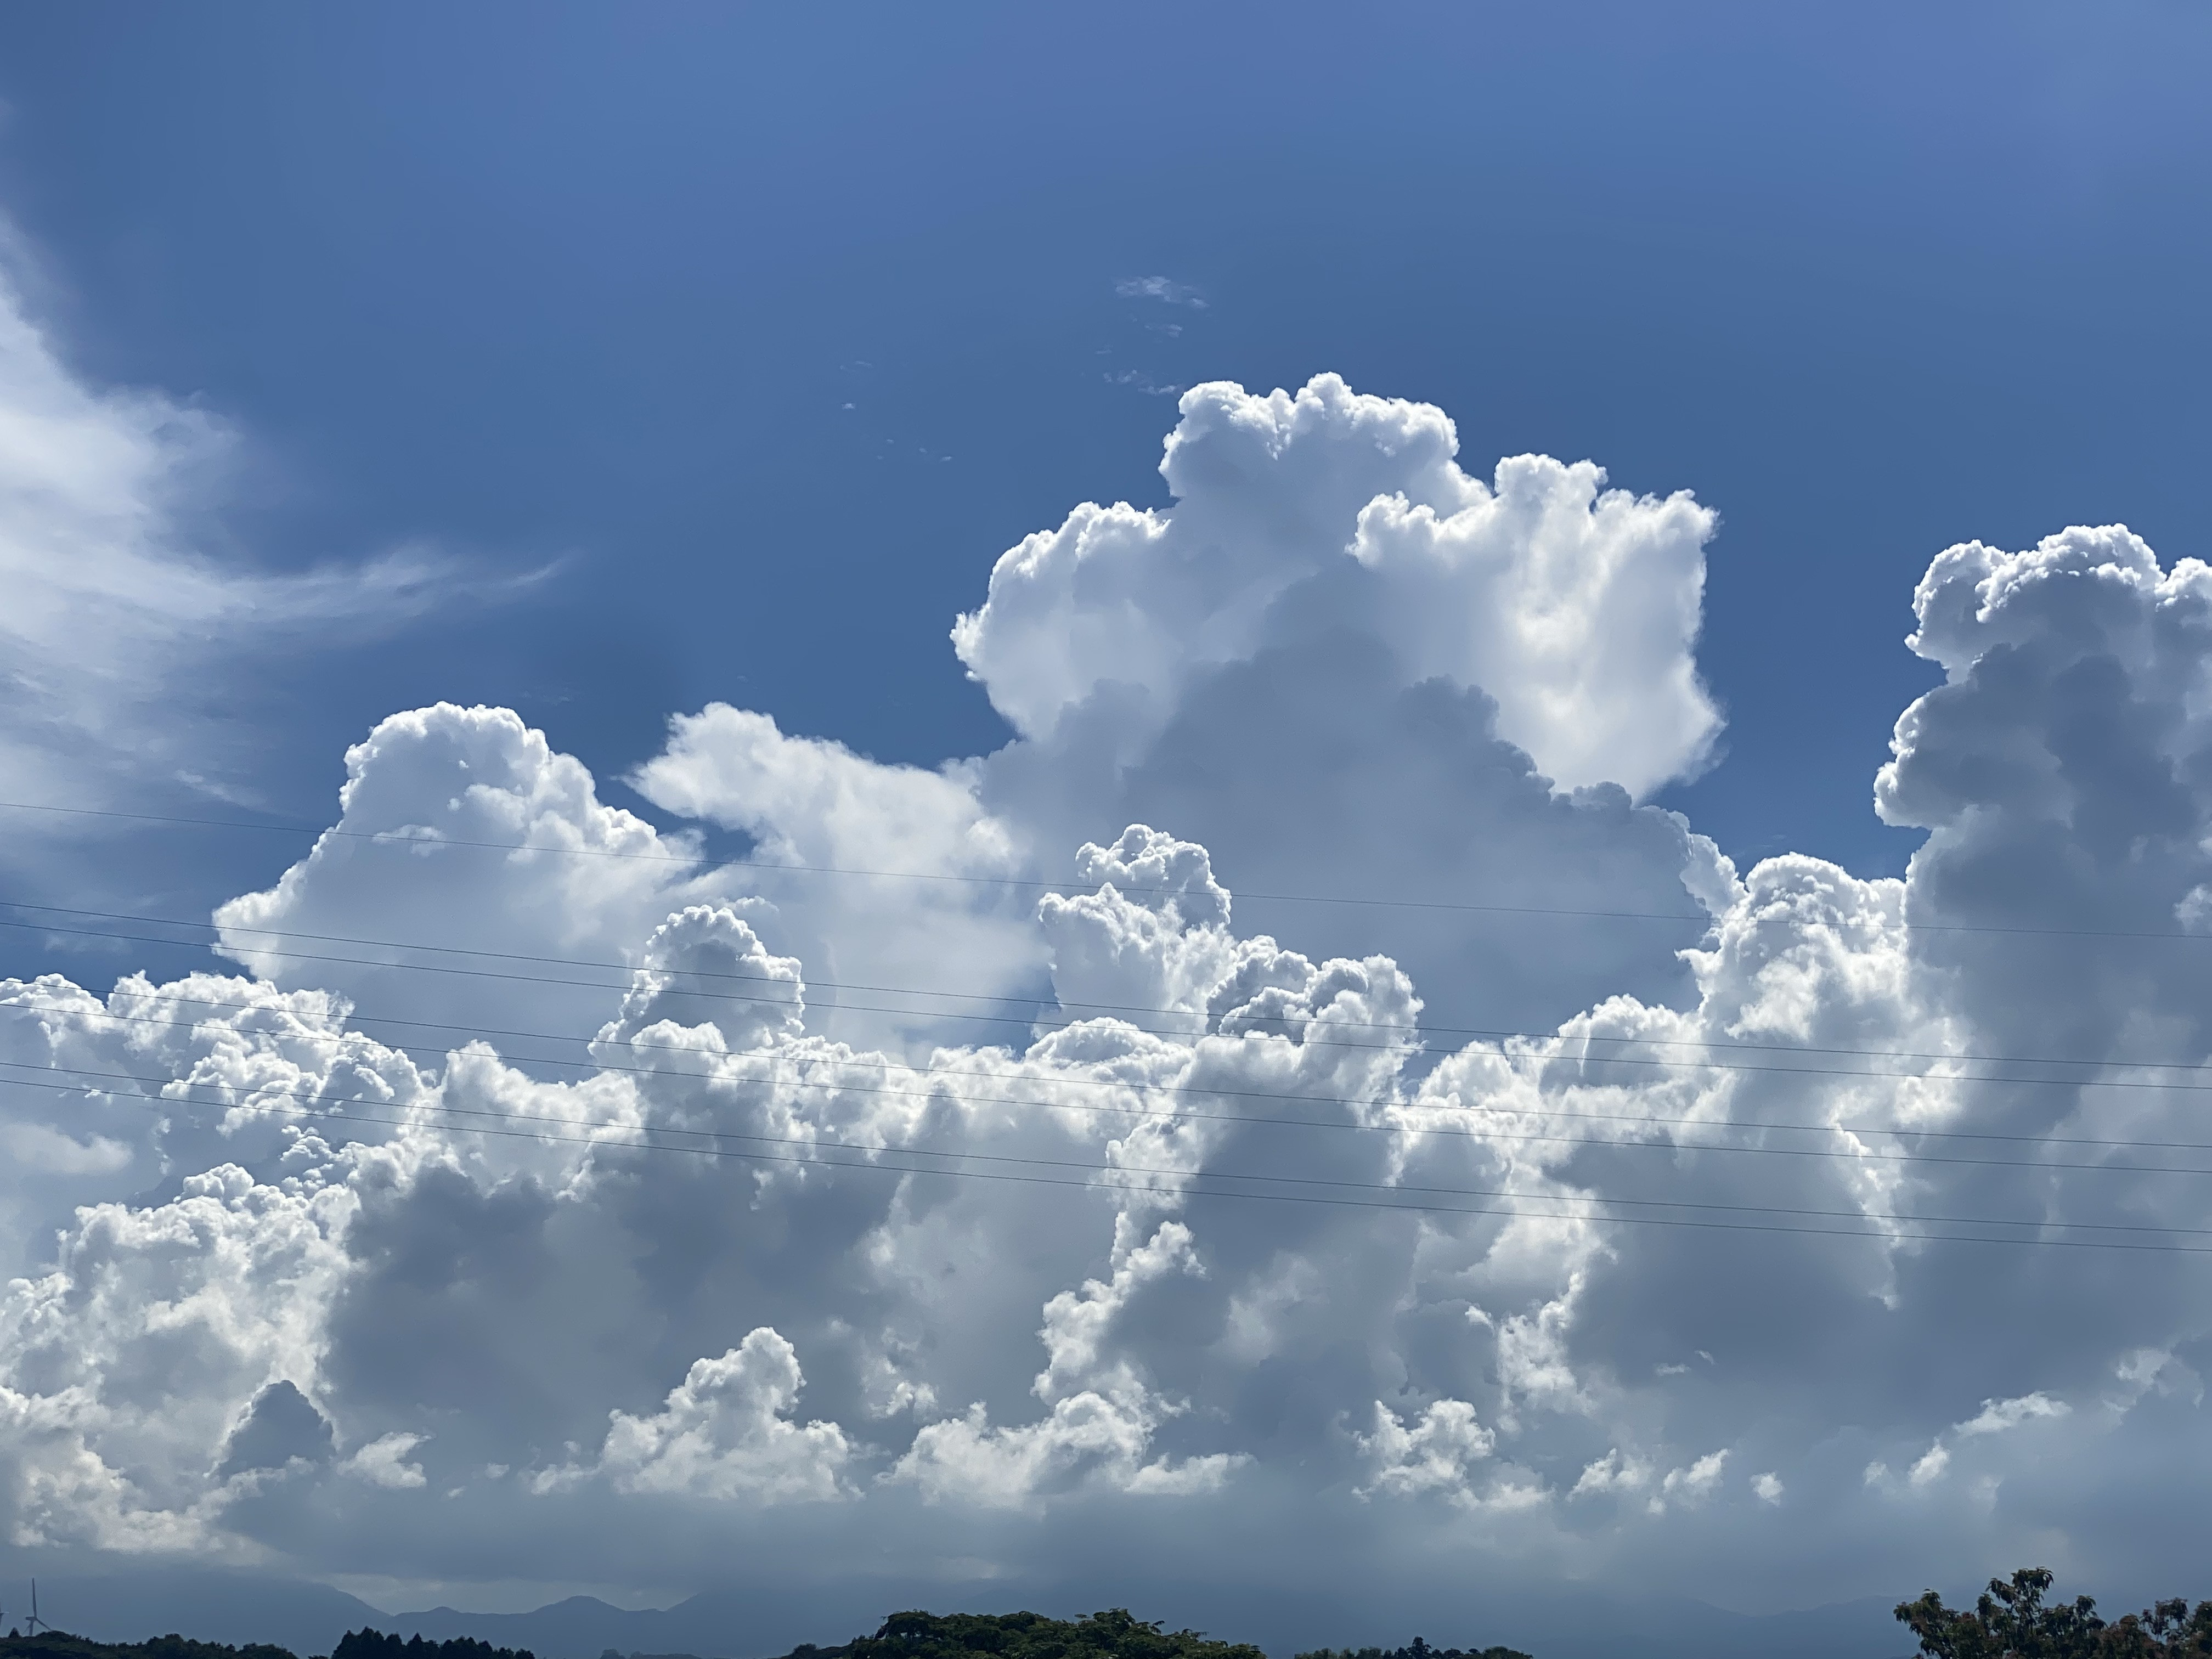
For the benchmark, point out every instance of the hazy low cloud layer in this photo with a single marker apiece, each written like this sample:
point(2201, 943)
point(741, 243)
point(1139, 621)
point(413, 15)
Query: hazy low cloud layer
point(637, 1253)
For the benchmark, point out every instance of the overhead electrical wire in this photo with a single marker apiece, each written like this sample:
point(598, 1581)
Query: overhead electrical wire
point(707, 866)
point(1231, 1175)
point(811, 984)
point(966, 1075)
point(599, 1140)
point(1318, 1040)
point(1920, 1156)
point(1857, 1155)
point(629, 969)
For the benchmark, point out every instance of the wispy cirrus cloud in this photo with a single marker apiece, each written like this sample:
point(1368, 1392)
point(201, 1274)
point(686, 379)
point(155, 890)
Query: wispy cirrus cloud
point(1165, 290)
point(121, 625)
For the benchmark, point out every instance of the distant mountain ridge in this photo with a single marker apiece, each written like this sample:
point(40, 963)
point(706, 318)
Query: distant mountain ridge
point(310, 1618)
point(364, 1644)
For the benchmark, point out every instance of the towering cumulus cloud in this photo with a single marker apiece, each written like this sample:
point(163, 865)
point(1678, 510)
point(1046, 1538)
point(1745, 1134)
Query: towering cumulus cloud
point(1332, 510)
point(967, 1186)
point(1340, 664)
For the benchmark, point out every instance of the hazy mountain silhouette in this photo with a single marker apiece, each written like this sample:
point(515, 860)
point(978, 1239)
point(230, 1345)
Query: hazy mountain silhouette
point(752, 1624)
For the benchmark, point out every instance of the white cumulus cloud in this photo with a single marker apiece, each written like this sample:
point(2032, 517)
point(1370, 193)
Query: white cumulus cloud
point(723, 1432)
point(1575, 608)
point(383, 1462)
point(1140, 1209)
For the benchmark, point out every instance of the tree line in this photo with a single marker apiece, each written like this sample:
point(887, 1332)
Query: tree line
point(1114, 1633)
point(363, 1644)
point(2014, 1618)
point(2011, 1620)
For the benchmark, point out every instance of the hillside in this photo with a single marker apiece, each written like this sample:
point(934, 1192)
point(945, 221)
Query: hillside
point(1113, 1634)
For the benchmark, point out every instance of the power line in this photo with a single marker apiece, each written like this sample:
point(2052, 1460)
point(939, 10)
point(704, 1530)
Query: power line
point(708, 868)
point(1861, 1155)
point(965, 1075)
point(598, 1141)
point(1035, 884)
point(810, 984)
point(1309, 1038)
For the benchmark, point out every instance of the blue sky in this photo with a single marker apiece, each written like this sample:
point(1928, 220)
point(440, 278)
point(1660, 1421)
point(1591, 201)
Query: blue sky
point(574, 431)
point(562, 283)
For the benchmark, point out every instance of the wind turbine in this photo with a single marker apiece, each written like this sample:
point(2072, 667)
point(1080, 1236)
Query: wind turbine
point(32, 1623)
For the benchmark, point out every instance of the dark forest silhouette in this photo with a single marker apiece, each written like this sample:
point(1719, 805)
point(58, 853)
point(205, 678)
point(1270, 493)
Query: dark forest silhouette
point(2011, 1620)
point(1114, 1633)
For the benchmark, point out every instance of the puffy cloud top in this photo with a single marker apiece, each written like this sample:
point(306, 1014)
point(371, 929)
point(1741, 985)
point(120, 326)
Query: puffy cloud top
point(1575, 608)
